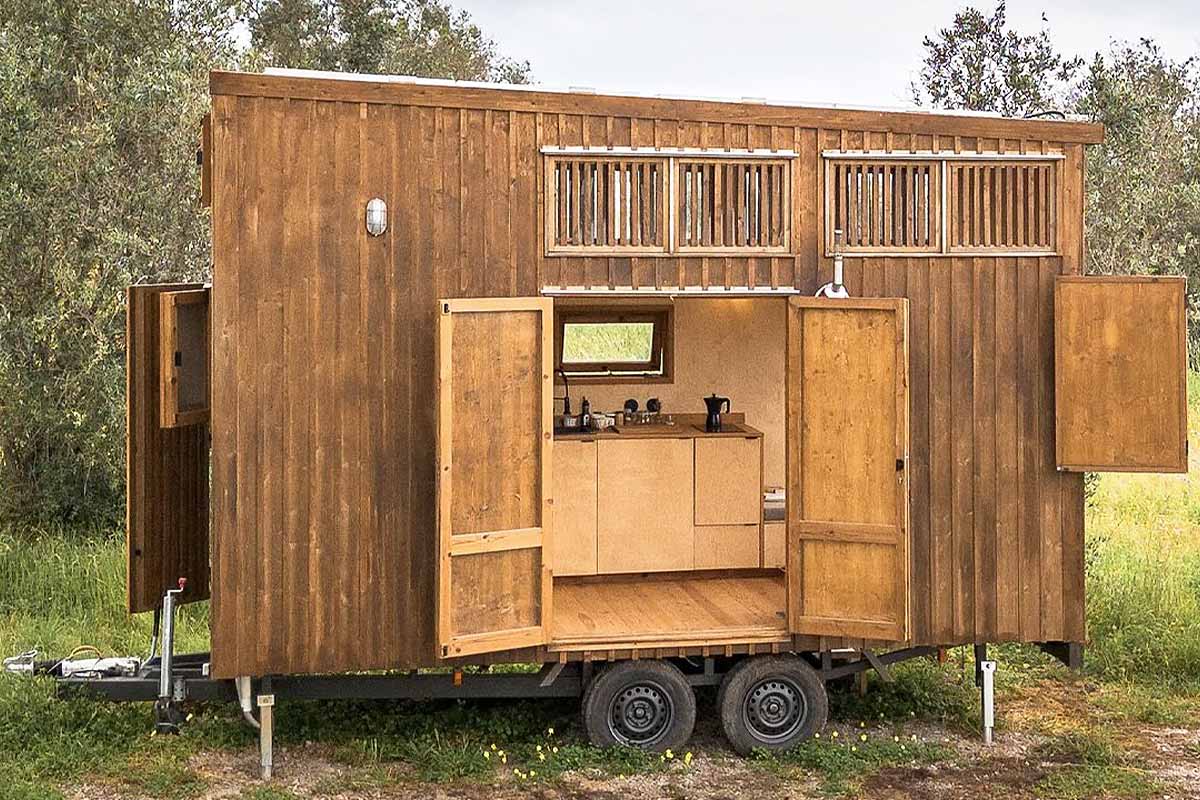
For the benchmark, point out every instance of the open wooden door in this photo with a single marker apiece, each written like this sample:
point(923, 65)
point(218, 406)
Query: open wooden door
point(495, 421)
point(1120, 373)
point(847, 453)
point(167, 454)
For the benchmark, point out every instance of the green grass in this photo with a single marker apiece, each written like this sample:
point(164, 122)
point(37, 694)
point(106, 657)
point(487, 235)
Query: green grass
point(842, 766)
point(60, 589)
point(1094, 747)
point(1082, 781)
point(1143, 572)
point(607, 342)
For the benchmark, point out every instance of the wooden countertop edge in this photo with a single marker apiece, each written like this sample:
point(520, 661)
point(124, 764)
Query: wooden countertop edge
point(685, 432)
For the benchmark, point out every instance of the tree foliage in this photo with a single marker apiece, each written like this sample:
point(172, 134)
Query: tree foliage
point(1142, 200)
point(426, 38)
point(979, 64)
point(100, 105)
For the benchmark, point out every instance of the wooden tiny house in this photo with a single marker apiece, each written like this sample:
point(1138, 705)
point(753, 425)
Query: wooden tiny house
point(388, 486)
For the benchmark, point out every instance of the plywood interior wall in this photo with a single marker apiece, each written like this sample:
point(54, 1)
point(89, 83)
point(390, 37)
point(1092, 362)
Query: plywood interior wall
point(323, 337)
point(733, 347)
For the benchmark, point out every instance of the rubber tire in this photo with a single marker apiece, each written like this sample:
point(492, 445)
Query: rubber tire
point(747, 674)
point(599, 695)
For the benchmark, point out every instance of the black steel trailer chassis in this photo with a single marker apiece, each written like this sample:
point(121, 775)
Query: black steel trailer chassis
point(170, 680)
point(190, 681)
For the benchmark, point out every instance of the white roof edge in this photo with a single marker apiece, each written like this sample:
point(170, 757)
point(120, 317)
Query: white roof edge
point(532, 87)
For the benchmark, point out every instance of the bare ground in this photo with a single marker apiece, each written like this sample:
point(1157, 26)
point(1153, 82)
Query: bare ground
point(1162, 760)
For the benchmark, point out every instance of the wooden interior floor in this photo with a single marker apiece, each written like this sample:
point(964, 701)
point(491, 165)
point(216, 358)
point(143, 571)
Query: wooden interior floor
point(662, 611)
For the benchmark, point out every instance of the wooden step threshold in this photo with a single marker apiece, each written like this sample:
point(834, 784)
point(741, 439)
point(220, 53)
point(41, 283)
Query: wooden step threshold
point(678, 638)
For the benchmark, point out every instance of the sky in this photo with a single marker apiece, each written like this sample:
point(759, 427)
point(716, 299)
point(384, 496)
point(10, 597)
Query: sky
point(861, 53)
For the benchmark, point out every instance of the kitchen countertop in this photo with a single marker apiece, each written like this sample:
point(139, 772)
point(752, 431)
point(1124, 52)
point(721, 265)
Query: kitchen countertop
point(682, 430)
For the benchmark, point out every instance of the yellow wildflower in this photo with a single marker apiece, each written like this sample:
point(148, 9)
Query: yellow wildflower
point(669, 753)
point(687, 757)
point(834, 735)
point(862, 737)
point(550, 731)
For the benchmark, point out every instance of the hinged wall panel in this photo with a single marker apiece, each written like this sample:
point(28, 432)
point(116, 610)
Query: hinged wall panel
point(1120, 369)
point(167, 480)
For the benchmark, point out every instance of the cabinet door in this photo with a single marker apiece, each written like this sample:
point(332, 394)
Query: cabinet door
point(644, 520)
point(1120, 374)
point(728, 546)
point(574, 508)
point(728, 481)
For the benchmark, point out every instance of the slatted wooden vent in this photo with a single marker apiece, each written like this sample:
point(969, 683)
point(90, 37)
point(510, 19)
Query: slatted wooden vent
point(726, 205)
point(605, 205)
point(891, 206)
point(1003, 207)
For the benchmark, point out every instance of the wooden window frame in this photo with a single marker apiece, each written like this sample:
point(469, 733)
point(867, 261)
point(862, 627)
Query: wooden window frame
point(658, 369)
point(171, 414)
point(670, 161)
point(946, 162)
point(551, 211)
point(680, 164)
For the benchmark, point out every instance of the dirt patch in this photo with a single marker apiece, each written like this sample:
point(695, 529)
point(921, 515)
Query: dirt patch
point(1014, 767)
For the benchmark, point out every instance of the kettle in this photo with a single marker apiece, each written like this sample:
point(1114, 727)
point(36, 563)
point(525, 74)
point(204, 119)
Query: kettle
point(712, 423)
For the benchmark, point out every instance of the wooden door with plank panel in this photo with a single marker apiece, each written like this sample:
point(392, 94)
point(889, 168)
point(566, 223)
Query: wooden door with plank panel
point(847, 453)
point(166, 455)
point(1120, 373)
point(495, 420)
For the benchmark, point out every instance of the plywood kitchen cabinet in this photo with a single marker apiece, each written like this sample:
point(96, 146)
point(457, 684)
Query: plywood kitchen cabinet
point(728, 481)
point(574, 542)
point(644, 521)
point(728, 546)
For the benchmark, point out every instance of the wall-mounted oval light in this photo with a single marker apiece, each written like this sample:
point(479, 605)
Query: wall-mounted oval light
point(376, 216)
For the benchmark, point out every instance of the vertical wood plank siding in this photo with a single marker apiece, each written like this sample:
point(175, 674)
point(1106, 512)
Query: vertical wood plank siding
point(323, 421)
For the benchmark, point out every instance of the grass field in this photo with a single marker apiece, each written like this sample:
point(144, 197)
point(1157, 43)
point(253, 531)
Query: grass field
point(61, 589)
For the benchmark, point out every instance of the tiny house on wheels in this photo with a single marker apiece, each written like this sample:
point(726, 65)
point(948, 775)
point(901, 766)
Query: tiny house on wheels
point(655, 393)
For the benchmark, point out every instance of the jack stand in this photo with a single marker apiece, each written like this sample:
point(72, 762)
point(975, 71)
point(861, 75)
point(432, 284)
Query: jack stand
point(266, 720)
point(167, 716)
point(987, 695)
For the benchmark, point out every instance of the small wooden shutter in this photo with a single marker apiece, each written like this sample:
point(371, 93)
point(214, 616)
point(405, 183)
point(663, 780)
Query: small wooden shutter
point(1120, 374)
point(167, 480)
point(184, 390)
point(847, 453)
point(495, 419)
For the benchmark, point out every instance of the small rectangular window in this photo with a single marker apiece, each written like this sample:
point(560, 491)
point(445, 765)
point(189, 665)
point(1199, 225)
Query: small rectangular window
point(605, 205)
point(614, 343)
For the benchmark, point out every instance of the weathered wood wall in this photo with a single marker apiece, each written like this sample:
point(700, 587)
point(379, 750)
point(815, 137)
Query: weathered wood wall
point(323, 419)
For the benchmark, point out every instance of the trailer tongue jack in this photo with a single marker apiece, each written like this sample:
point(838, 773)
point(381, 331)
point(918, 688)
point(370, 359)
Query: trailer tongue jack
point(167, 716)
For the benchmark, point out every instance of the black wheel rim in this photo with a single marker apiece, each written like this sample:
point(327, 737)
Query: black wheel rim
point(775, 709)
point(640, 714)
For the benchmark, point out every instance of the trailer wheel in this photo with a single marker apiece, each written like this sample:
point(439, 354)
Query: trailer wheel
point(646, 704)
point(771, 702)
